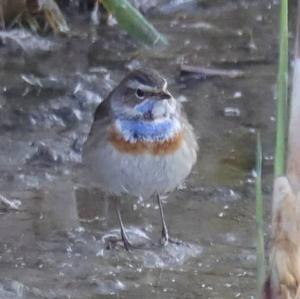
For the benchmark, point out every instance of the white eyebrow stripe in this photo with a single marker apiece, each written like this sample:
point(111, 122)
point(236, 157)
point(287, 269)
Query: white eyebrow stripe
point(134, 84)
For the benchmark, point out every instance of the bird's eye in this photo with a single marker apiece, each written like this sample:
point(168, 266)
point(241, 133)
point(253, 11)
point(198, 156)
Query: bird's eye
point(139, 93)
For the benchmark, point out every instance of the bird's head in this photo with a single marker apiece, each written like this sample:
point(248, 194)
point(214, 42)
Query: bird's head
point(143, 96)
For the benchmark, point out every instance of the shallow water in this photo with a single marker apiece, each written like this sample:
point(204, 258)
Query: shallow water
point(54, 245)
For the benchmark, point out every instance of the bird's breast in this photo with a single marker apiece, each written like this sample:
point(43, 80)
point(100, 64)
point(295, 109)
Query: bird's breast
point(138, 147)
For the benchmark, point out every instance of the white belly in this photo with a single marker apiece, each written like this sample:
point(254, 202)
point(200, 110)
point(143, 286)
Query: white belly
point(139, 175)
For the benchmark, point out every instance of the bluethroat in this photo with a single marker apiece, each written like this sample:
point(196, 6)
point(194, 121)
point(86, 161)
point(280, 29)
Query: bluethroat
point(141, 143)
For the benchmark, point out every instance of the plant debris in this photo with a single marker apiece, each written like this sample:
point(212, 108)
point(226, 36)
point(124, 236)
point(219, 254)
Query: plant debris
point(200, 72)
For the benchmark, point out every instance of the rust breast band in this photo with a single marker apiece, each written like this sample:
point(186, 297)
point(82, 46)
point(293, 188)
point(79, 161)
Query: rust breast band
point(157, 148)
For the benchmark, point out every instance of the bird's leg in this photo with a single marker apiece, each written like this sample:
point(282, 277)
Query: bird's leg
point(164, 232)
point(165, 238)
point(124, 236)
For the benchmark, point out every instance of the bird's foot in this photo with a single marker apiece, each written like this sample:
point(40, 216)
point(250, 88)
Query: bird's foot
point(165, 242)
point(166, 239)
point(112, 241)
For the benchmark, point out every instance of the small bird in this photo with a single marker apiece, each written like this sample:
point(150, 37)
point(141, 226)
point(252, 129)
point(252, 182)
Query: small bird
point(141, 143)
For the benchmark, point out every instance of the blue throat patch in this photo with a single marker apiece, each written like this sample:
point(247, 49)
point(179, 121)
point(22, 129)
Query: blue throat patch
point(145, 106)
point(139, 130)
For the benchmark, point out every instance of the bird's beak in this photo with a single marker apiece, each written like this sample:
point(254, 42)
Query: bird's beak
point(165, 107)
point(164, 95)
point(159, 105)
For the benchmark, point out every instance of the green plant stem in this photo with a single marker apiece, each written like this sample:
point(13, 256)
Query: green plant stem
point(260, 251)
point(282, 92)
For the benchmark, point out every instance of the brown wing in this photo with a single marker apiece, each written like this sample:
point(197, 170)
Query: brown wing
point(103, 110)
point(101, 115)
